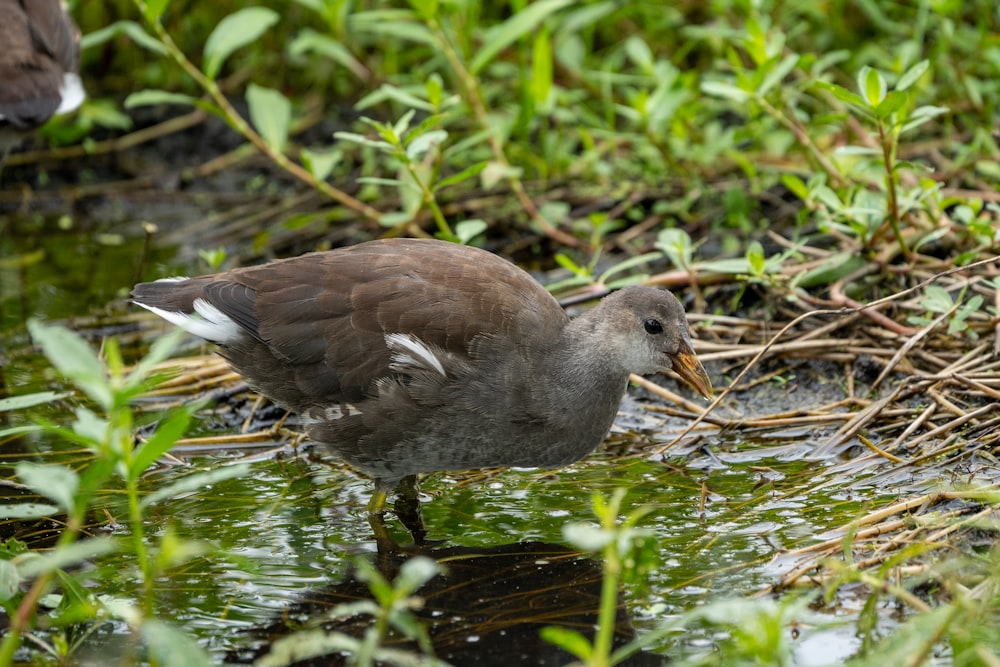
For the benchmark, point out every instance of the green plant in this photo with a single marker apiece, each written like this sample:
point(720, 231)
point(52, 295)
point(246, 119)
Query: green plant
point(391, 608)
point(107, 435)
point(417, 152)
point(269, 109)
point(892, 114)
point(940, 305)
point(628, 554)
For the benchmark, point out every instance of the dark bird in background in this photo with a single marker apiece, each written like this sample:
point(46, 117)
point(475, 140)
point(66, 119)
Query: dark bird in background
point(39, 61)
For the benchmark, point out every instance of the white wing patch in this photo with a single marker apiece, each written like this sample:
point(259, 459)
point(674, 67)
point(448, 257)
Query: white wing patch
point(409, 352)
point(330, 413)
point(209, 322)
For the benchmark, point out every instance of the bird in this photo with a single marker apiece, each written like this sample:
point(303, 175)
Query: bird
point(39, 64)
point(408, 356)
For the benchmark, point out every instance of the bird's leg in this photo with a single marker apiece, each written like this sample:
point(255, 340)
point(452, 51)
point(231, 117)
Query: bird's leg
point(407, 508)
point(376, 504)
point(376, 519)
point(385, 544)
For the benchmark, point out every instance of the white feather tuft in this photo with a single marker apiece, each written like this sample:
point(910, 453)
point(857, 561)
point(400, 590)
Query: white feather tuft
point(408, 351)
point(208, 322)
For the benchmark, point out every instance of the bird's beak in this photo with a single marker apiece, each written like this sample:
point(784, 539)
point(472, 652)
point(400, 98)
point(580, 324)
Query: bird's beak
point(686, 365)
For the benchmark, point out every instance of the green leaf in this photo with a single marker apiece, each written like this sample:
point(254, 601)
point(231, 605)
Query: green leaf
point(67, 555)
point(517, 26)
point(892, 103)
point(130, 29)
point(778, 73)
point(387, 23)
point(585, 16)
point(586, 537)
point(725, 90)
point(495, 171)
point(836, 267)
point(639, 53)
point(321, 163)
point(309, 41)
point(733, 265)
point(568, 640)
point(153, 10)
point(74, 359)
point(379, 587)
point(271, 114)
point(302, 645)
point(194, 482)
point(89, 426)
point(392, 182)
point(10, 580)
point(361, 139)
point(911, 75)
point(628, 265)
point(317, 6)
point(20, 430)
point(107, 114)
point(152, 97)
point(236, 30)
point(434, 87)
point(27, 511)
point(427, 9)
point(676, 244)
point(842, 94)
point(164, 437)
point(936, 299)
point(755, 258)
point(397, 130)
point(29, 400)
point(567, 263)
point(872, 85)
point(825, 195)
point(169, 647)
point(55, 482)
point(76, 597)
point(921, 115)
point(465, 174)
point(796, 186)
point(541, 68)
point(414, 573)
point(755, 42)
point(841, 151)
point(394, 218)
point(425, 142)
point(390, 92)
point(159, 351)
point(466, 230)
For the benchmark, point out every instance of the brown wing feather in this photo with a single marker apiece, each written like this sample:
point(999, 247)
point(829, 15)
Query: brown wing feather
point(326, 315)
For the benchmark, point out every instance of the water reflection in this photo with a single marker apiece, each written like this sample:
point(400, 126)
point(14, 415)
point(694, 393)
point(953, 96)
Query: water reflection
point(487, 608)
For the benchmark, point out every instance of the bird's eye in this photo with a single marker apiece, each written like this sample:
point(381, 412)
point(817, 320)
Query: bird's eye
point(653, 326)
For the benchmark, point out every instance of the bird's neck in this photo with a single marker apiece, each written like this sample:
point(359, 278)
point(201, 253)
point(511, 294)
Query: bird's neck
point(588, 385)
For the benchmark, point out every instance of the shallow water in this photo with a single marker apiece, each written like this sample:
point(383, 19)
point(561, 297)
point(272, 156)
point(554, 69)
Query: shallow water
point(287, 534)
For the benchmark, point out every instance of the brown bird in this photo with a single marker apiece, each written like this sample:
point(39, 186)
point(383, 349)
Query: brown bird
point(39, 61)
point(409, 356)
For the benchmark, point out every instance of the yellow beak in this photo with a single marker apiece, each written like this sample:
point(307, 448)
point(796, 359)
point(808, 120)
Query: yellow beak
point(690, 370)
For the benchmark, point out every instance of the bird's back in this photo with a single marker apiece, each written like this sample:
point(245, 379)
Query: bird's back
point(322, 319)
